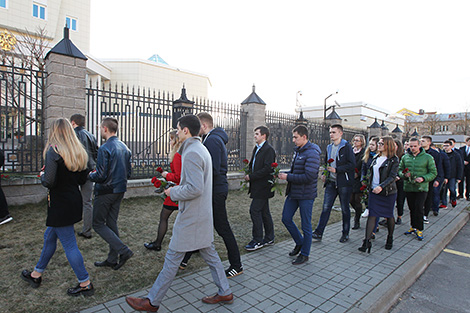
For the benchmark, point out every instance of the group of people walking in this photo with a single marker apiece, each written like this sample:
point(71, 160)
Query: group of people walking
point(380, 175)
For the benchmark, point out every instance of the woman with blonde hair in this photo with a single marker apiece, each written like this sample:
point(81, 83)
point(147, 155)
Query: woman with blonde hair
point(382, 191)
point(64, 170)
point(168, 205)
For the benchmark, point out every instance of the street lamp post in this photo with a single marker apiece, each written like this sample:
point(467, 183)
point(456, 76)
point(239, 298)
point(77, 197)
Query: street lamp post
point(324, 107)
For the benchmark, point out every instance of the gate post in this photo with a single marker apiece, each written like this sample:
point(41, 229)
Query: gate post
point(181, 107)
point(255, 108)
point(65, 82)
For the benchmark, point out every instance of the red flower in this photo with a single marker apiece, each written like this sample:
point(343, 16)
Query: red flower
point(3, 176)
point(154, 179)
point(363, 187)
point(7, 176)
point(356, 170)
point(406, 170)
point(274, 164)
point(246, 161)
point(157, 183)
point(159, 169)
point(330, 160)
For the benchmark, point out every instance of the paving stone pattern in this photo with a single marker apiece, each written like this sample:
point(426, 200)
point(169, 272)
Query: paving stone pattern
point(337, 277)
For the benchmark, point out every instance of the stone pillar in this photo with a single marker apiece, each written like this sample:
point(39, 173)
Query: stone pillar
point(256, 116)
point(65, 83)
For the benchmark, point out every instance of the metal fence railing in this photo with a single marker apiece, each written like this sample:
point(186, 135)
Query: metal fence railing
point(21, 118)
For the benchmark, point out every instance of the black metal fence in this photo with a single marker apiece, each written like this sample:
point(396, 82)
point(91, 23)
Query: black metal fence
point(281, 125)
point(145, 119)
point(21, 118)
point(233, 120)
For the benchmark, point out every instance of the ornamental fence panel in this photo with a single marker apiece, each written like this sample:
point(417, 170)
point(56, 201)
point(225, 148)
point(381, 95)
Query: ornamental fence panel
point(21, 117)
point(146, 118)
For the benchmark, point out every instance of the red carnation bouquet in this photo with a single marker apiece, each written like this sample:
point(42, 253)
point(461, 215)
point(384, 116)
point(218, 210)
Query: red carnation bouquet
point(276, 187)
point(411, 178)
point(246, 169)
point(365, 187)
point(161, 184)
point(325, 167)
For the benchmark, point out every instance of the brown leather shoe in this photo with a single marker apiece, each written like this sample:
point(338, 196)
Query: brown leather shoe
point(141, 304)
point(218, 298)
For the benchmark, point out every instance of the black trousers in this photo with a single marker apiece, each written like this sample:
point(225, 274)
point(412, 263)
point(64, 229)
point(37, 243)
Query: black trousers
point(3, 204)
point(415, 202)
point(261, 216)
point(356, 204)
point(400, 197)
point(222, 227)
point(467, 182)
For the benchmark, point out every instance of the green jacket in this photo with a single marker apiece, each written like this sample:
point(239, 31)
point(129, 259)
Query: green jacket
point(421, 165)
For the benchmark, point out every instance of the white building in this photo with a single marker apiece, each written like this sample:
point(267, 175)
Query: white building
point(18, 18)
point(356, 114)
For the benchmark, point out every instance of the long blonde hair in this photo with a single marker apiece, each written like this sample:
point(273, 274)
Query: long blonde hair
point(64, 141)
point(366, 156)
point(176, 146)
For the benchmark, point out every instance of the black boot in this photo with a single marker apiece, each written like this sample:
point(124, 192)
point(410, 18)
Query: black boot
point(389, 243)
point(366, 246)
point(296, 250)
point(357, 225)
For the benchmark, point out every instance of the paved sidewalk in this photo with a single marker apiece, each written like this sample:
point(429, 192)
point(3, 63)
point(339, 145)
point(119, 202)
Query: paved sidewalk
point(337, 278)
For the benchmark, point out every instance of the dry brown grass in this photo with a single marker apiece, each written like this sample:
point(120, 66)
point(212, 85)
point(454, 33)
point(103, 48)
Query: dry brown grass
point(21, 242)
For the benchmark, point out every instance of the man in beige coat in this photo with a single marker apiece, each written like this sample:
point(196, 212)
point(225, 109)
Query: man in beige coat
point(193, 227)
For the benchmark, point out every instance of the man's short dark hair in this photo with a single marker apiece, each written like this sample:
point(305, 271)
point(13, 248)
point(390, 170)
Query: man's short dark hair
point(191, 122)
point(453, 140)
point(468, 138)
point(78, 119)
point(338, 126)
point(413, 139)
point(429, 138)
point(449, 142)
point(263, 131)
point(111, 123)
point(206, 118)
point(301, 130)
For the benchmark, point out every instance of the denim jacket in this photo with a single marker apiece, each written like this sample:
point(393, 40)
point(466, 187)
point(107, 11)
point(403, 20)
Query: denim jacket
point(113, 167)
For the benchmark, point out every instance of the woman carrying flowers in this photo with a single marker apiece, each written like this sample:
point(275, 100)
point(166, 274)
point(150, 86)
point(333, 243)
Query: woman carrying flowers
point(168, 205)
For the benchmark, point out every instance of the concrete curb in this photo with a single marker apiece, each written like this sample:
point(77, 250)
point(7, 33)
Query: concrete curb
point(386, 294)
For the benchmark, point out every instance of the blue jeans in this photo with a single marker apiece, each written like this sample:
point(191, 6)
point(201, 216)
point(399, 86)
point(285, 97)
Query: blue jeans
point(66, 236)
point(290, 207)
point(331, 192)
point(452, 189)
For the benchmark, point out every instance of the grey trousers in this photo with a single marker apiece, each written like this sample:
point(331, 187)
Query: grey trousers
point(105, 216)
point(87, 192)
point(170, 268)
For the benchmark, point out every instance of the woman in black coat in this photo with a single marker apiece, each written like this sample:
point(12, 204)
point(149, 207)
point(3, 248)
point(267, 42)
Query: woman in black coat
point(382, 191)
point(64, 170)
point(359, 143)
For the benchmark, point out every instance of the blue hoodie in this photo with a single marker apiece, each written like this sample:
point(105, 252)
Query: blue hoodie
point(215, 142)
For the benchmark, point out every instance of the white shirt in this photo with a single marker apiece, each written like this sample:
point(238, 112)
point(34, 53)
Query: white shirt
point(375, 168)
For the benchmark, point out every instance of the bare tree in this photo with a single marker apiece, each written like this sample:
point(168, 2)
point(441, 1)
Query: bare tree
point(432, 123)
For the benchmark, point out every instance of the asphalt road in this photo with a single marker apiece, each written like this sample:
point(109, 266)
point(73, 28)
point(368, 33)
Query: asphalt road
point(445, 285)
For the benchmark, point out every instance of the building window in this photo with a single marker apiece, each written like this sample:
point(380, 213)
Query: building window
point(3, 4)
point(71, 23)
point(39, 11)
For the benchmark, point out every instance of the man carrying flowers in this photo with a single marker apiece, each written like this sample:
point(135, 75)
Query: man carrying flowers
point(417, 169)
point(260, 180)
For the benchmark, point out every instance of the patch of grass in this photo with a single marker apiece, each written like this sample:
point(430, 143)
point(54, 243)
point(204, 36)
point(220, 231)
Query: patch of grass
point(21, 243)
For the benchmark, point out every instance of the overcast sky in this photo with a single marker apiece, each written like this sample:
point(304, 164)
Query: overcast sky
point(392, 54)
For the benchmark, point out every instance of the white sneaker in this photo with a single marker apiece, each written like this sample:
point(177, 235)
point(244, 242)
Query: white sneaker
point(366, 213)
point(6, 219)
point(425, 220)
